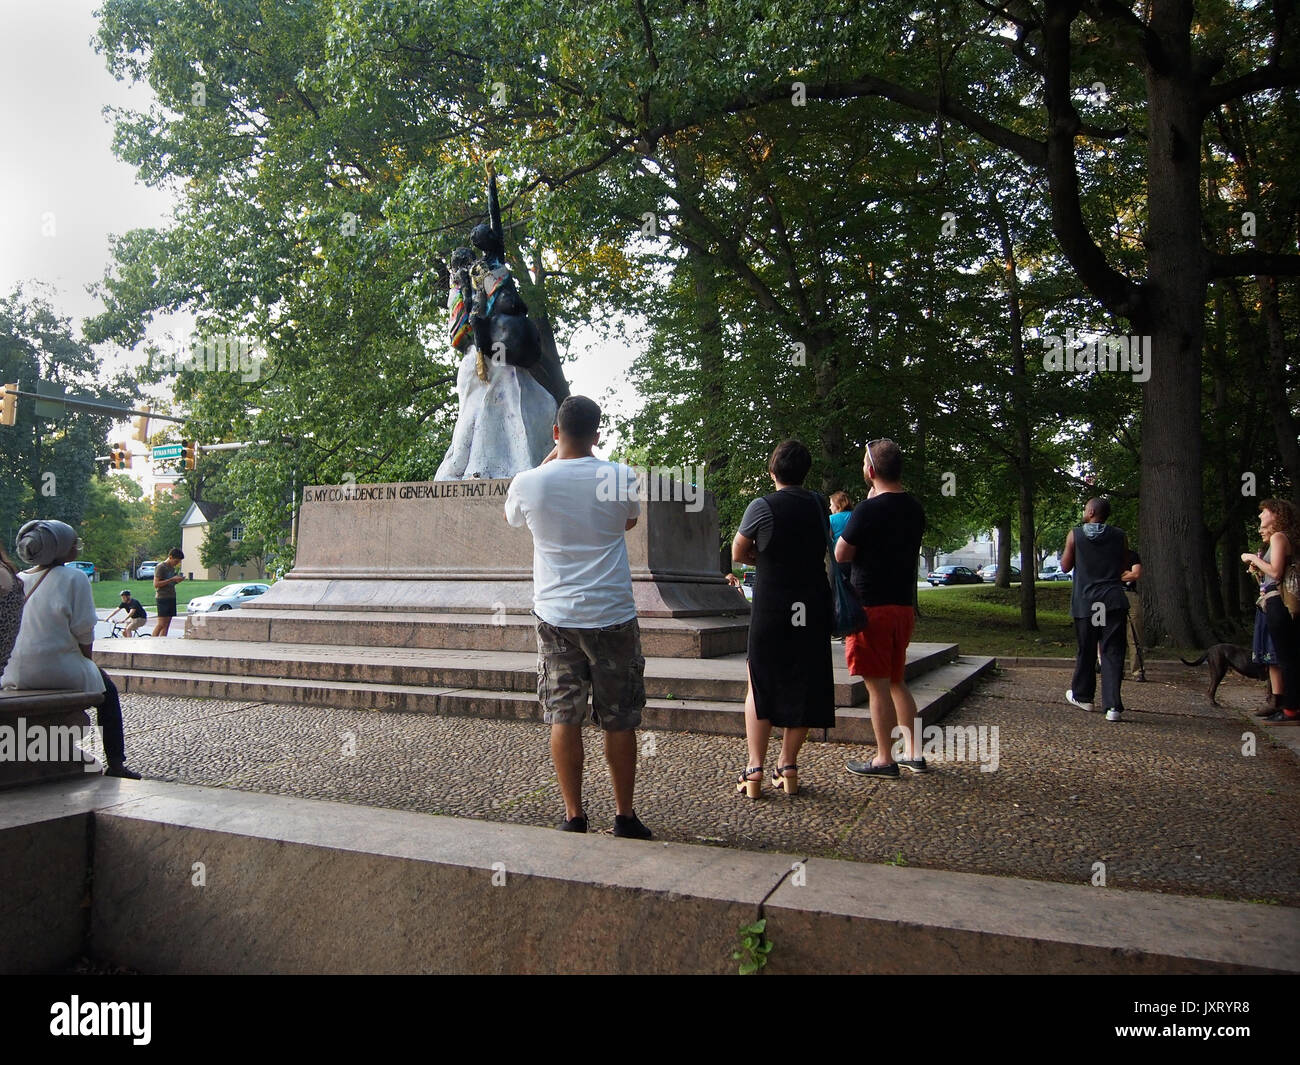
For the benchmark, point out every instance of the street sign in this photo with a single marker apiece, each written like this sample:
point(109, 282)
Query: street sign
point(46, 408)
point(166, 452)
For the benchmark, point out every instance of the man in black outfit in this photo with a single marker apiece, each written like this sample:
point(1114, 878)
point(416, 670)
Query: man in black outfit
point(1098, 554)
point(135, 614)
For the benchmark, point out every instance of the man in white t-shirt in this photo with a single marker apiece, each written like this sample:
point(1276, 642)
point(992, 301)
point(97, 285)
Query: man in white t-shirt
point(578, 508)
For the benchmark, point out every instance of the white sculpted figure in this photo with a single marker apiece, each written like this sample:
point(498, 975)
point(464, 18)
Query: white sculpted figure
point(503, 426)
point(504, 423)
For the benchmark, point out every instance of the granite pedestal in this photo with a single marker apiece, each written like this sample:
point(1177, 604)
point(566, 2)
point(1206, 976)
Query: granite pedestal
point(435, 565)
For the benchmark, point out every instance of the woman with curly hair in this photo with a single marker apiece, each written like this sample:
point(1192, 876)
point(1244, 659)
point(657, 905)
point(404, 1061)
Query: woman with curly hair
point(1275, 643)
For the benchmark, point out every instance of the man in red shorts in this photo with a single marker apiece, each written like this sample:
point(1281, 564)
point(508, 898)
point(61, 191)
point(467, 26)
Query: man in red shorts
point(883, 541)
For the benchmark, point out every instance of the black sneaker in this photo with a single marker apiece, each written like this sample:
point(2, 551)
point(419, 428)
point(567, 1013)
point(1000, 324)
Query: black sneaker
point(913, 765)
point(575, 824)
point(124, 771)
point(866, 769)
point(629, 826)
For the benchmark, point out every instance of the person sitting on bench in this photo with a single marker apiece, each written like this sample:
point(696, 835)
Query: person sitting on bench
point(58, 630)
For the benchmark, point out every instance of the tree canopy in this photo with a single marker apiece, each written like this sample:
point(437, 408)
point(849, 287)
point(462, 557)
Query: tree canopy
point(835, 221)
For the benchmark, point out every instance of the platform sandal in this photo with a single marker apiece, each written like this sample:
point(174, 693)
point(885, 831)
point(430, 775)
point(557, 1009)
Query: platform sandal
point(786, 778)
point(752, 788)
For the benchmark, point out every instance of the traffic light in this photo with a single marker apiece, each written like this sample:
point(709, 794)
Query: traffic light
point(141, 424)
point(120, 457)
point(9, 406)
point(188, 454)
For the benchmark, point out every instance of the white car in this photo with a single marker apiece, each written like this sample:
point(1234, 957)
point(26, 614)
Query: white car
point(227, 598)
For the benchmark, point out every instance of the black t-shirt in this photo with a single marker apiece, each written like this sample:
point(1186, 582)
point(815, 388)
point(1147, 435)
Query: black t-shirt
point(133, 608)
point(1134, 559)
point(887, 531)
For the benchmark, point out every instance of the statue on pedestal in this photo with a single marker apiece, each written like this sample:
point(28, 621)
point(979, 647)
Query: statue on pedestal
point(504, 423)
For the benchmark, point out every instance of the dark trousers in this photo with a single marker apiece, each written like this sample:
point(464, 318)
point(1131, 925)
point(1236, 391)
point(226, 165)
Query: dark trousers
point(110, 721)
point(1285, 631)
point(1113, 638)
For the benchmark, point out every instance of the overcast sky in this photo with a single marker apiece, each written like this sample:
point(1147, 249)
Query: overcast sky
point(63, 192)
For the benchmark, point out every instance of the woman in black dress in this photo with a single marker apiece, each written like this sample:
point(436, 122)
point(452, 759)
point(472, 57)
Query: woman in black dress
point(790, 680)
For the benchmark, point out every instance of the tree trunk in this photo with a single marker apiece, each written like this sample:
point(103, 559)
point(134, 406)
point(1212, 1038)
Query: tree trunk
point(1028, 592)
point(1285, 425)
point(1004, 551)
point(707, 343)
point(823, 357)
point(1024, 461)
point(711, 357)
point(1174, 318)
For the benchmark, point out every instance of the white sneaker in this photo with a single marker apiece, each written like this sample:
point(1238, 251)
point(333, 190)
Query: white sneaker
point(1112, 714)
point(1069, 698)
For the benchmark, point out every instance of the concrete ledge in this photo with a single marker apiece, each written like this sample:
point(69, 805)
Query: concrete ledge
point(851, 917)
point(294, 885)
point(44, 878)
point(299, 886)
point(937, 692)
point(690, 637)
point(722, 679)
point(57, 716)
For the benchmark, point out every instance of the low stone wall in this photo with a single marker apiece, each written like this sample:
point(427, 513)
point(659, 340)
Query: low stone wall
point(44, 876)
point(199, 880)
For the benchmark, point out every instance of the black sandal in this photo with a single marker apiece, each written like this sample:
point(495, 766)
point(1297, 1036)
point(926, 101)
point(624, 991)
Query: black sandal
point(752, 788)
point(786, 778)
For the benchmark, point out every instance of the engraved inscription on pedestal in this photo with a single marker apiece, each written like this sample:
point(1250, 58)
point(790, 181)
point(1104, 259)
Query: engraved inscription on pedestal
point(446, 546)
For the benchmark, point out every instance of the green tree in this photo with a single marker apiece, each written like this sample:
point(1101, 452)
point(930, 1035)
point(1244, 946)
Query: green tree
point(162, 527)
point(48, 465)
point(110, 523)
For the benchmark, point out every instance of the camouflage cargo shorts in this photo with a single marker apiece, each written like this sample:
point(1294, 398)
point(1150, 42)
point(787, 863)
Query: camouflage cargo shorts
point(607, 661)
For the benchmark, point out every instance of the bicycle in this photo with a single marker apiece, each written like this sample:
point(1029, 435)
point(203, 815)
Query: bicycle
point(118, 626)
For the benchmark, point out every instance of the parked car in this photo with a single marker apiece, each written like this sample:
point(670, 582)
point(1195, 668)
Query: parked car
point(88, 568)
point(1052, 573)
point(145, 572)
point(747, 580)
point(990, 574)
point(952, 575)
point(227, 598)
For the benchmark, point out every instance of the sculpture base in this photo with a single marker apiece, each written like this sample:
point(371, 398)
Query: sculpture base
point(441, 555)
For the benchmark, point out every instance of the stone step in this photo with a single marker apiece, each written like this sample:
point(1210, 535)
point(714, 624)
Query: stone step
point(936, 692)
point(696, 637)
point(721, 678)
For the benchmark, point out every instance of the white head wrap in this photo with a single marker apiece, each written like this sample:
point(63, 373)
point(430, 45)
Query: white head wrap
point(42, 543)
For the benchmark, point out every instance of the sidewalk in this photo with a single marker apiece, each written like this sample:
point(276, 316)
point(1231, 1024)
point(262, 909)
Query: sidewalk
point(1165, 799)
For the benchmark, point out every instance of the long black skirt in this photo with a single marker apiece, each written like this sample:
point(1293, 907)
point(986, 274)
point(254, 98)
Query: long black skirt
point(790, 663)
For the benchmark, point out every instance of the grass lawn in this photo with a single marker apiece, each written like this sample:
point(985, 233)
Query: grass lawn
point(985, 620)
point(108, 593)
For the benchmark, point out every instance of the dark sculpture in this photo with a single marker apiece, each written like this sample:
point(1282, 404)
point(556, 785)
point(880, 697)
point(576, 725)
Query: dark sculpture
point(485, 304)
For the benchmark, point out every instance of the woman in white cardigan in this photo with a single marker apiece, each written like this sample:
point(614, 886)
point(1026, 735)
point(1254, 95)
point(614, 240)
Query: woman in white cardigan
point(54, 643)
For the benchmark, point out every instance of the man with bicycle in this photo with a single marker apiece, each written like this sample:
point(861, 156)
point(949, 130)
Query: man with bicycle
point(135, 615)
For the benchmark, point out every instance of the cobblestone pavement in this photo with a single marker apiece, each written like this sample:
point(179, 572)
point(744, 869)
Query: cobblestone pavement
point(1166, 799)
